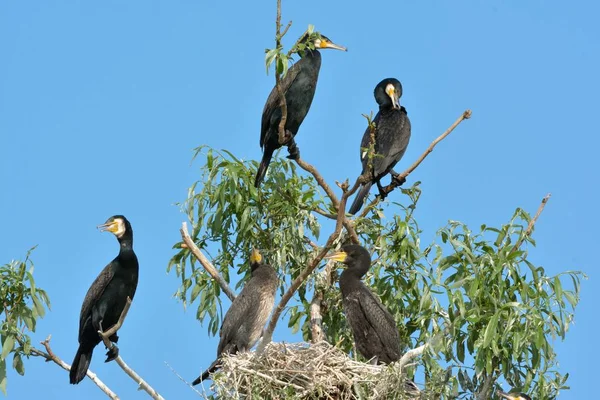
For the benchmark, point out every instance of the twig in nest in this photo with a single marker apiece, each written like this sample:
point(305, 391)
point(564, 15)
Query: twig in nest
point(208, 266)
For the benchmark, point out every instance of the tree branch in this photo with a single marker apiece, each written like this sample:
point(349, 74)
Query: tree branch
point(143, 385)
point(411, 354)
point(300, 279)
point(532, 222)
point(282, 102)
point(49, 355)
point(400, 178)
point(329, 192)
point(208, 266)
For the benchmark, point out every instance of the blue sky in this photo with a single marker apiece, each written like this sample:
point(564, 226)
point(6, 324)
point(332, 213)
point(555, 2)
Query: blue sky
point(102, 103)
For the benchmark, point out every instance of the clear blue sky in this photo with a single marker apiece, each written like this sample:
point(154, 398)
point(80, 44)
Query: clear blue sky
point(102, 103)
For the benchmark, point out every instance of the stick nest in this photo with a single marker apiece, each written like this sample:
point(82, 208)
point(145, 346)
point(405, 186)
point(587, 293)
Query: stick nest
point(307, 371)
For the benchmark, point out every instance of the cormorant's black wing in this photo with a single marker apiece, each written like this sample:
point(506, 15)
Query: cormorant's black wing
point(241, 309)
point(93, 295)
point(272, 103)
point(393, 135)
point(378, 319)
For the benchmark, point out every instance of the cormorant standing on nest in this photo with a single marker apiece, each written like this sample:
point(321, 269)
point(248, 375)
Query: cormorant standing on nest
point(298, 87)
point(374, 329)
point(513, 395)
point(106, 298)
point(392, 134)
point(244, 321)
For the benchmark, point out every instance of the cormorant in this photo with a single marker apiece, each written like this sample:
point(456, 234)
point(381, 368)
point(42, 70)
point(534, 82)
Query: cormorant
point(106, 298)
point(244, 321)
point(374, 329)
point(392, 135)
point(513, 395)
point(298, 86)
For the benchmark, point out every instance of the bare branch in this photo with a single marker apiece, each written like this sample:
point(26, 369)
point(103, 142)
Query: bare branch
point(532, 222)
point(334, 200)
point(282, 103)
point(401, 178)
point(143, 385)
point(410, 355)
point(316, 320)
point(49, 355)
point(208, 266)
point(484, 392)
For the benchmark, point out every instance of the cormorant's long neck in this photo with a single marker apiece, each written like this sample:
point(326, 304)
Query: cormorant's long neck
point(126, 245)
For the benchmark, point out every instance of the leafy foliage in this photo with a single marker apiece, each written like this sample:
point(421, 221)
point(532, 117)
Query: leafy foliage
point(22, 304)
point(485, 311)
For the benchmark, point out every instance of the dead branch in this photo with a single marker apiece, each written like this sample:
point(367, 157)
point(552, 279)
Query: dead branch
point(316, 319)
point(49, 355)
point(282, 102)
point(400, 178)
point(410, 355)
point(142, 384)
point(532, 222)
point(334, 200)
point(208, 266)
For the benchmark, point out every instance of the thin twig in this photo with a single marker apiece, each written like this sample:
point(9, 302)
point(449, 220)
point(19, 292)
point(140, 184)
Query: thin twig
point(532, 222)
point(399, 179)
point(334, 200)
point(181, 378)
point(208, 266)
point(142, 384)
point(49, 355)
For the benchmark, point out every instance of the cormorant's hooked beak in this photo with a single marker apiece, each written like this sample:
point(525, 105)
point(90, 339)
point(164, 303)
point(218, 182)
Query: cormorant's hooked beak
point(255, 257)
point(111, 226)
point(337, 256)
point(327, 44)
point(391, 91)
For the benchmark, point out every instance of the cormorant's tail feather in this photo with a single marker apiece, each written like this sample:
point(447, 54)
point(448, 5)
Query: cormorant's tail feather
point(213, 367)
point(80, 365)
point(360, 197)
point(262, 168)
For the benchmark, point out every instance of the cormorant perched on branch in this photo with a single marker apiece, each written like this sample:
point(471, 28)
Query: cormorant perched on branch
point(298, 86)
point(513, 396)
point(244, 321)
point(374, 329)
point(106, 298)
point(392, 134)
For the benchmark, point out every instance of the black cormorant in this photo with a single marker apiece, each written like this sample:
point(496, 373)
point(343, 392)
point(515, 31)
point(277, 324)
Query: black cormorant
point(106, 298)
point(298, 86)
point(374, 329)
point(244, 321)
point(391, 138)
point(513, 395)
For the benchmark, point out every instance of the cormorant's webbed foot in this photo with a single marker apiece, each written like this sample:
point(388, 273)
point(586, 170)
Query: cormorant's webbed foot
point(293, 149)
point(112, 353)
point(397, 180)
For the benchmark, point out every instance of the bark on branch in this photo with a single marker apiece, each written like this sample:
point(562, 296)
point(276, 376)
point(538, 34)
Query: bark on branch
point(400, 178)
point(208, 266)
point(142, 384)
point(532, 223)
point(49, 355)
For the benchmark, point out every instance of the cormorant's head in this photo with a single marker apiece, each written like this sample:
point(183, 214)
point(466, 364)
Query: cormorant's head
point(255, 259)
point(513, 396)
point(117, 225)
point(316, 41)
point(388, 92)
point(354, 256)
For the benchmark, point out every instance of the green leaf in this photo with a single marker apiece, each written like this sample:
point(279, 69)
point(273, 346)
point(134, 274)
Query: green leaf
point(3, 376)
point(269, 58)
point(311, 29)
point(7, 346)
point(18, 364)
point(490, 331)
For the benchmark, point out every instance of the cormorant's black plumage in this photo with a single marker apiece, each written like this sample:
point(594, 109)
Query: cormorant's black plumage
point(374, 328)
point(298, 86)
point(246, 318)
point(106, 298)
point(391, 138)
